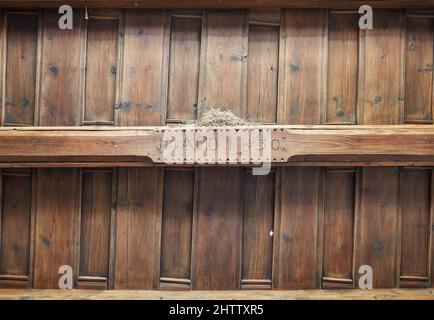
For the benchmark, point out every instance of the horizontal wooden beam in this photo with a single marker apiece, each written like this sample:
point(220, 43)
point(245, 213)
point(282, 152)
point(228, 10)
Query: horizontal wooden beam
point(348, 294)
point(406, 145)
point(221, 4)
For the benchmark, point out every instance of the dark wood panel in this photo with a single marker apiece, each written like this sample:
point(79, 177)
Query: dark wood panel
point(217, 231)
point(21, 60)
point(177, 225)
point(15, 222)
point(415, 215)
point(101, 69)
point(258, 228)
point(419, 69)
point(184, 67)
point(56, 210)
point(342, 68)
point(60, 99)
point(138, 221)
point(338, 224)
point(95, 223)
point(378, 224)
point(144, 79)
point(297, 232)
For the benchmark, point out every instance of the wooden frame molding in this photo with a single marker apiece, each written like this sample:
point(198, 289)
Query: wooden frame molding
point(406, 145)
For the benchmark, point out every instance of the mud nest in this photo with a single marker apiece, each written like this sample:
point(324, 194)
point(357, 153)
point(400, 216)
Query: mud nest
point(220, 117)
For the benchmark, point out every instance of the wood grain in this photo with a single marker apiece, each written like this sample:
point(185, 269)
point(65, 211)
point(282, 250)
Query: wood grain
point(217, 231)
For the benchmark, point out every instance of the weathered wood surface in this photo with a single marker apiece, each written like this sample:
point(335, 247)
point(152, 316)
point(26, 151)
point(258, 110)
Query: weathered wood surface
point(223, 3)
point(374, 144)
point(385, 294)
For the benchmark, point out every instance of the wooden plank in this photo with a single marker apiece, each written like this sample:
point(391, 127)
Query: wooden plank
point(101, 70)
point(262, 73)
point(338, 225)
point(389, 294)
point(297, 230)
point(415, 211)
point(383, 70)
point(378, 224)
point(343, 46)
point(304, 33)
point(222, 78)
point(144, 80)
point(217, 232)
point(137, 233)
point(184, 67)
point(95, 223)
point(21, 60)
point(177, 225)
point(419, 70)
point(56, 215)
point(258, 227)
point(367, 145)
point(15, 227)
point(219, 4)
point(61, 73)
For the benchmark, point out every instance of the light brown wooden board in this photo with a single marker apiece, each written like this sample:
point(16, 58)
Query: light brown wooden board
point(95, 223)
point(258, 229)
point(101, 70)
point(21, 61)
point(60, 98)
point(137, 229)
point(185, 46)
point(342, 67)
point(224, 58)
point(297, 234)
point(338, 227)
point(378, 224)
point(302, 100)
point(15, 226)
point(418, 69)
point(55, 220)
point(144, 75)
point(217, 231)
point(415, 215)
point(177, 225)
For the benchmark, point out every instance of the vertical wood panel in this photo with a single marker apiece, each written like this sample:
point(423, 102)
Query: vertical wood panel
point(61, 72)
point(415, 211)
point(217, 233)
point(343, 46)
point(262, 73)
point(137, 229)
point(184, 67)
point(224, 61)
point(296, 266)
point(101, 69)
point(304, 33)
point(95, 227)
point(144, 84)
point(15, 226)
point(382, 94)
point(338, 228)
point(21, 59)
point(177, 229)
point(56, 216)
point(378, 224)
point(419, 70)
point(258, 222)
